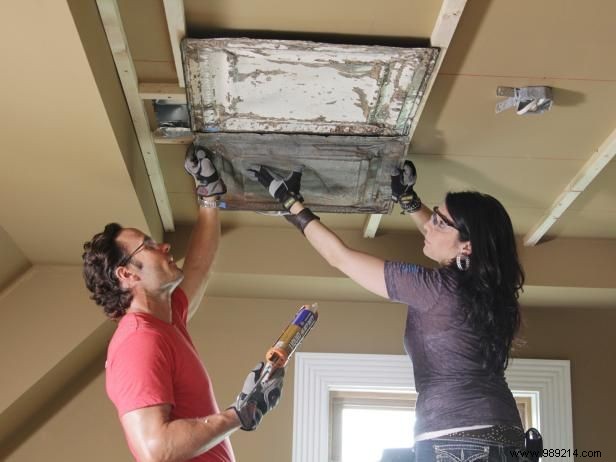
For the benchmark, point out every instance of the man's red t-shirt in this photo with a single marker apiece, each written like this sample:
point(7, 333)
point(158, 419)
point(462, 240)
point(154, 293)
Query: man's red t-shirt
point(151, 362)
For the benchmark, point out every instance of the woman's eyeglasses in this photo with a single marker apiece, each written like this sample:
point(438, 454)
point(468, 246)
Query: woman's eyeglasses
point(443, 222)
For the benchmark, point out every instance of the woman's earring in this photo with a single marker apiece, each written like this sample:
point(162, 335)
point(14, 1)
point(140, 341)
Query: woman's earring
point(463, 262)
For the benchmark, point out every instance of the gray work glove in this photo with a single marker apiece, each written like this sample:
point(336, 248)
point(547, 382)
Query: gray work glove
point(402, 182)
point(254, 401)
point(284, 190)
point(198, 163)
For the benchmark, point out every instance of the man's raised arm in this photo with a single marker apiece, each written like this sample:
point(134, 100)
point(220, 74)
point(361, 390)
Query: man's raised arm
point(205, 236)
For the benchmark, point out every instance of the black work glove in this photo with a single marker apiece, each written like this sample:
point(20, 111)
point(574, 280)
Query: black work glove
point(284, 190)
point(199, 164)
point(402, 182)
point(256, 400)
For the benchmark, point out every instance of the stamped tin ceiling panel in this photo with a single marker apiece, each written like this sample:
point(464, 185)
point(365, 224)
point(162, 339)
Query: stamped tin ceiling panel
point(341, 173)
point(280, 86)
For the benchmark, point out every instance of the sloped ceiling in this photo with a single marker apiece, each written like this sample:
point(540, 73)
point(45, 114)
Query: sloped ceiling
point(63, 173)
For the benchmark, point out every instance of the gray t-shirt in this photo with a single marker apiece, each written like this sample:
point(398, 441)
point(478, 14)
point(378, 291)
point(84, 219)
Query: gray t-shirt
point(454, 390)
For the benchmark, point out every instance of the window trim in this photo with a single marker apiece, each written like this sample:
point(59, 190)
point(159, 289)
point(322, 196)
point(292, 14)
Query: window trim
point(546, 382)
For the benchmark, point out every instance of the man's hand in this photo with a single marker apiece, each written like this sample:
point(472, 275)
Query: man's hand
point(254, 401)
point(402, 182)
point(199, 164)
point(284, 190)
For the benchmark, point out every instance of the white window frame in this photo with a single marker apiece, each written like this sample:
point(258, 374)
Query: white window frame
point(547, 382)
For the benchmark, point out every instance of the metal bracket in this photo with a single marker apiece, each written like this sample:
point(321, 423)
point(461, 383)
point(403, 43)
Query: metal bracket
point(528, 100)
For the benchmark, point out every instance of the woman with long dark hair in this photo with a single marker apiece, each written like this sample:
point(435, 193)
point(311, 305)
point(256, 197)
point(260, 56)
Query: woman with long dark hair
point(462, 316)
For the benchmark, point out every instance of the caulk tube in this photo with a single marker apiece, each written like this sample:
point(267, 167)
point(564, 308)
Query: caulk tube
point(278, 355)
point(282, 350)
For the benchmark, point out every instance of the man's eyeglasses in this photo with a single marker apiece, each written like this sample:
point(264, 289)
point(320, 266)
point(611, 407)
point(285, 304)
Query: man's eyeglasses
point(127, 259)
point(445, 221)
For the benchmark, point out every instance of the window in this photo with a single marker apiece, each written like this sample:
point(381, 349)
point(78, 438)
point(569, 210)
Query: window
point(326, 383)
point(362, 424)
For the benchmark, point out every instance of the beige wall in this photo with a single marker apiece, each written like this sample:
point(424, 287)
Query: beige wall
point(586, 338)
point(44, 315)
point(14, 262)
point(232, 333)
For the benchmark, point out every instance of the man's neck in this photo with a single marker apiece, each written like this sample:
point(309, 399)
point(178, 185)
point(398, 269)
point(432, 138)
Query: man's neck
point(157, 305)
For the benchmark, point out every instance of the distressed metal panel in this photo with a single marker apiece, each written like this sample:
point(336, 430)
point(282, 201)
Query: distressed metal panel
point(348, 174)
point(246, 85)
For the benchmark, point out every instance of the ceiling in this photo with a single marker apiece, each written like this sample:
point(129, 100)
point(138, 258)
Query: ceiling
point(460, 142)
point(71, 162)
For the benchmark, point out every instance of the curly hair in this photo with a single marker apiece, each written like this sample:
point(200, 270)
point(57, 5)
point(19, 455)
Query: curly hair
point(489, 290)
point(101, 256)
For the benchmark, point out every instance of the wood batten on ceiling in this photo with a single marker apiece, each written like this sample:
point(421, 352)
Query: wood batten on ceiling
point(593, 166)
point(176, 23)
point(112, 22)
point(446, 24)
point(169, 92)
point(165, 91)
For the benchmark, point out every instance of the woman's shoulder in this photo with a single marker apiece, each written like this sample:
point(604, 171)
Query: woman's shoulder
point(416, 285)
point(413, 270)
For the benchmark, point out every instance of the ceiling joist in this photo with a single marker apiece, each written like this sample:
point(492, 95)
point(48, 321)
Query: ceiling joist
point(112, 22)
point(444, 28)
point(593, 166)
point(183, 139)
point(176, 23)
point(372, 224)
point(166, 91)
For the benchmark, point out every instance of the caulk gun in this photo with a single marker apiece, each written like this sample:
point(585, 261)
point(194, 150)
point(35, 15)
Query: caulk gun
point(281, 351)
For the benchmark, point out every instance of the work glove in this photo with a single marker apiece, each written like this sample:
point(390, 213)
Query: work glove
point(284, 190)
point(199, 164)
point(257, 399)
point(402, 182)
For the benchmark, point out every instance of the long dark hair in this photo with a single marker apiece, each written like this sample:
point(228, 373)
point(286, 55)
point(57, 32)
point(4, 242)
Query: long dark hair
point(101, 256)
point(490, 288)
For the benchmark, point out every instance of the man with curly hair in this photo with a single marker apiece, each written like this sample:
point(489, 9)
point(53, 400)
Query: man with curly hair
point(154, 376)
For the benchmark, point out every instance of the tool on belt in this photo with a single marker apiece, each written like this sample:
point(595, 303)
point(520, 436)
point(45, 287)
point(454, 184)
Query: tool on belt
point(533, 443)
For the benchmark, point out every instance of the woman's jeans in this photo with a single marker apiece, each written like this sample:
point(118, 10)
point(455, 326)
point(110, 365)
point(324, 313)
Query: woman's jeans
point(451, 449)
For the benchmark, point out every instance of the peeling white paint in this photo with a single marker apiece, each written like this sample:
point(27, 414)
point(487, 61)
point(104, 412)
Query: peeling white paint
point(245, 85)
